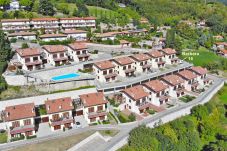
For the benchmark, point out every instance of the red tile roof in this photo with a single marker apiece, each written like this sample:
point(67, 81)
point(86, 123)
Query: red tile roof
point(44, 19)
point(93, 99)
point(199, 70)
point(73, 31)
point(55, 48)
point(173, 79)
point(155, 53)
point(136, 92)
point(169, 51)
point(78, 46)
point(124, 42)
point(14, 20)
point(52, 35)
point(156, 85)
point(28, 52)
point(22, 34)
point(124, 60)
point(221, 43)
point(104, 64)
point(59, 105)
point(187, 74)
point(140, 57)
point(21, 111)
point(223, 51)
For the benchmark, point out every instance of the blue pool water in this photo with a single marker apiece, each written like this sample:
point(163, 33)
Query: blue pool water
point(65, 76)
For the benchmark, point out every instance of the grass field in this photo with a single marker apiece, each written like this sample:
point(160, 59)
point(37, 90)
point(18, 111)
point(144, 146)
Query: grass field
point(204, 57)
point(99, 12)
point(3, 138)
point(56, 144)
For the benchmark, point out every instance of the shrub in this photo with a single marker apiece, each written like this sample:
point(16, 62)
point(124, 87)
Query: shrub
point(24, 45)
point(13, 40)
point(31, 137)
point(122, 119)
point(151, 111)
point(132, 117)
point(17, 138)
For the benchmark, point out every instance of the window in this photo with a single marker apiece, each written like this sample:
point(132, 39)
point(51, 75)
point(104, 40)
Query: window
point(130, 100)
point(92, 119)
point(124, 68)
point(111, 70)
point(100, 108)
point(129, 66)
point(28, 133)
point(78, 52)
point(55, 117)
point(91, 109)
point(55, 55)
point(35, 58)
point(27, 122)
point(66, 115)
point(62, 55)
point(104, 72)
point(27, 60)
point(16, 124)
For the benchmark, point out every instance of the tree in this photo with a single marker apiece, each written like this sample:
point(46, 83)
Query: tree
point(24, 45)
point(132, 117)
point(170, 38)
point(46, 8)
point(26, 3)
point(4, 2)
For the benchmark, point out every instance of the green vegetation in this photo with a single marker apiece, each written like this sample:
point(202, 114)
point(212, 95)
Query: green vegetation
point(109, 132)
point(31, 137)
point(151, 111)
point(88, 70)
point(111, 116)
point(123, 118)
point(204, 129)
point(187, 98)
point(3, 137)
point(42, 110)
point(17, 138)
point(56, 42)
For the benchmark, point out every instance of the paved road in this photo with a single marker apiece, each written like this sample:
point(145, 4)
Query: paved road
point(124, 128)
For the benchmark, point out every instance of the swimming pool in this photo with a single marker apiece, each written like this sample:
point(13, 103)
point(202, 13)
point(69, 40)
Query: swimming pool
point(65, 76)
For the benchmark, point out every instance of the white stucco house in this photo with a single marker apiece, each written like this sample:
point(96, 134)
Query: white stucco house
point(94, 106)
point(157, 59)
point(142, 63)
point(104, 71)
point(190, 80)
point(29, 58)
point(20, 120)
point(78, 52)
point(22, 35)
point(78, 35)
point(53, 37)
point(170, 56)
point(125, 66)
point(55, 54)
point(59, 113)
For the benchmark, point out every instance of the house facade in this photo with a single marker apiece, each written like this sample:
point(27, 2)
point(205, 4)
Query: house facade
point(176, 85)
point(157, 59)
point(15, 25)
point(170, 56)
point(59, 113)
point(158, 92)
point(78, 35)
point(22, 35)
point(53, 37)
point(48, 24)
point(125, 66)
point(142, 63)
point(136, 99)
point(190, 80)
point(20, 119)
point(55, 54)
point(29, 58)
point(202, 78)
point(94, 107)
point(78, 52)
point(105, 71)
point(68, 23)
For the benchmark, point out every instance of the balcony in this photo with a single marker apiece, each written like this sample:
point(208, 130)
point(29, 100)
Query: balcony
point(195, 84)
point(37, 62)
point(144, 105)
point(61, 121)
point(97, 114)
point(110, 75)
point(21, 129)
point(60, 59)
point(129, 70)
point(146, 66)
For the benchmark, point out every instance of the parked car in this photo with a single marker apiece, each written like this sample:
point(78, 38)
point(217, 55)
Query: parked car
point(78, 125)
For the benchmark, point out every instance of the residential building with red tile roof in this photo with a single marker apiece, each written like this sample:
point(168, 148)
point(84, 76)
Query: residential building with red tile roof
point(78, 35)
point(48, 24)
point(157, 59)
point(170, 56)
point(142, 63)
point(78, 52)
point(75, 22)
point(201, 76)
point(125, 66)
point(94, 107)
point(223, 53)
point(59, 113)
point(29, 58)
point(136, 99)
point(20, 119)
point(190, 78)
point(53, 37)
point(24, 35)
point(158, 91)
point(105, 71)
point(15, 25)
point(55, 54)
point(176, 85)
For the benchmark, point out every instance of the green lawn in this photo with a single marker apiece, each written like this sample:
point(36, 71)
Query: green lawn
point(3, 138)
point(99, 12)
point(223, 94)
point(205, 56)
